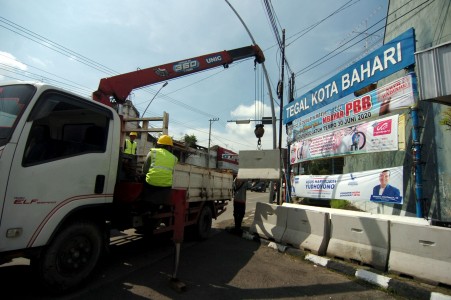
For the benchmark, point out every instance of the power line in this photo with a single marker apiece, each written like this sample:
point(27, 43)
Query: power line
point(26, 33)
point(323, 59)
point(22, 72)
point(33, 36)
point(43, 41)
point(311, 27)
point(273, 18)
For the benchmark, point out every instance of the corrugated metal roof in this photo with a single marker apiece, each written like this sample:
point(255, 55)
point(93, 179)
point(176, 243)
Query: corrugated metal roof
point(434, 73)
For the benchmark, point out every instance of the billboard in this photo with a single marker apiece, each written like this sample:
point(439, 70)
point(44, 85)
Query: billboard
point(381, 185)
point(368, 137)
point(388, 59)
point(396, 95)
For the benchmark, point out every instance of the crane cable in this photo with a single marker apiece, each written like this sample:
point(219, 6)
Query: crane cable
point(259, 106)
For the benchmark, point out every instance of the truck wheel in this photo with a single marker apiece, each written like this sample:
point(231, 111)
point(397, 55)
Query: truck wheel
point(71, 256)
point(204, 223)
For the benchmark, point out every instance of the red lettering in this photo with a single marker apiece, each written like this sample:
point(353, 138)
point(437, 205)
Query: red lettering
point(366, 102)
point(24, 201)
point(348, 108)
point(357, 106)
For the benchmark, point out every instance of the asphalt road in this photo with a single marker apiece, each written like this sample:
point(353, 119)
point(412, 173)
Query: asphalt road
point(251, 201)
point(223, 267)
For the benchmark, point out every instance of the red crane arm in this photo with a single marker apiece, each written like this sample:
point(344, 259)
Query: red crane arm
point(120, 86)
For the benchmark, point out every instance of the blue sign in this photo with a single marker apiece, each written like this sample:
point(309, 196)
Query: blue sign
point(388, 59)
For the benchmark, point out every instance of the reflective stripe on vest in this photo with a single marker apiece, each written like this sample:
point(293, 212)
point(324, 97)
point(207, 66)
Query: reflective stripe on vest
point(130, 147)
point(161, 168)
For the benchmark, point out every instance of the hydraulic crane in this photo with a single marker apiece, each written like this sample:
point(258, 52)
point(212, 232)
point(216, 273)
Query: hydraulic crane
point(117, 88)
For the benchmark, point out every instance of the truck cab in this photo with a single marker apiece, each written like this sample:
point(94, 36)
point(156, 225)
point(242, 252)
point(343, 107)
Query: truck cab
point(58, 159)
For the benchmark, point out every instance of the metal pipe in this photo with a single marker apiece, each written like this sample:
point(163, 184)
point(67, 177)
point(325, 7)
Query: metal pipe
point(416, 147)
point(165, 84)
point(209, 139)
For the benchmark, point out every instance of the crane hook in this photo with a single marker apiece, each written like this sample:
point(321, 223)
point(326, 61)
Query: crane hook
point(259, 131)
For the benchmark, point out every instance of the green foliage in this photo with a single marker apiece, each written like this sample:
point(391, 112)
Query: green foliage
point(446, 120)
point(324, 166)
point(190, 140)
point(342, 204)
point(334, 203)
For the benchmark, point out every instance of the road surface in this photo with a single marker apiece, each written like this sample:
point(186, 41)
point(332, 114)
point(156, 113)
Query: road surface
point(223, 267)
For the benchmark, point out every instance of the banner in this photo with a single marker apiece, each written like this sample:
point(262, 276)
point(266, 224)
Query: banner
point(381, 185)
point(376, 136)
point(395, 55)
point(393, 96)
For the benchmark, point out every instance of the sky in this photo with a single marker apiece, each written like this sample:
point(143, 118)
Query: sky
point(74, 44)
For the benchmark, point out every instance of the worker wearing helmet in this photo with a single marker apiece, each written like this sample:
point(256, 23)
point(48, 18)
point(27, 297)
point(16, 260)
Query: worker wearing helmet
point(130, 145)
point(159, 166)
point(239, 204)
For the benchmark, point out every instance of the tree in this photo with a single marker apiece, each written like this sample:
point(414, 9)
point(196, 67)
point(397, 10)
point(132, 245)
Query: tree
point(190, 140)
point(446, 120)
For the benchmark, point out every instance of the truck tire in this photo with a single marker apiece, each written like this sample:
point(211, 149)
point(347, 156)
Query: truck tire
point(70, 258)
point(204, 223)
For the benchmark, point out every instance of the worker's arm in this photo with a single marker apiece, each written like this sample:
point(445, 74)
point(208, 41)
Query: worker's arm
point(146, 164)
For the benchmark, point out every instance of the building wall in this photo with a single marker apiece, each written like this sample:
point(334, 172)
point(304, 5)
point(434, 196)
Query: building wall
point(432, 24)
point(199, 158)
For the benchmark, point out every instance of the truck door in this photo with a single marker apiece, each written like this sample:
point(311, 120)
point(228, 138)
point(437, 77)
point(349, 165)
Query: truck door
point(62, 161)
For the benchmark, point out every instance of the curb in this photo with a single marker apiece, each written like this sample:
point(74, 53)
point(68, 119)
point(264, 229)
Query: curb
point(398, 287)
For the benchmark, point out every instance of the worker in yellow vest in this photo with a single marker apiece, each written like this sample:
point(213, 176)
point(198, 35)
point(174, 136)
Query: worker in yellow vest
point(158, 169)
point(130, 145)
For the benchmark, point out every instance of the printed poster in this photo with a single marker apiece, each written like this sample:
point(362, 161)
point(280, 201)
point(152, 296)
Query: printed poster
point(391, 97)
point(381, 186)
point(375, 136)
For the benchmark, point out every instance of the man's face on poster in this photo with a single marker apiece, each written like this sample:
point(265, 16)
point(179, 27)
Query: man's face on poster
point(384, 177)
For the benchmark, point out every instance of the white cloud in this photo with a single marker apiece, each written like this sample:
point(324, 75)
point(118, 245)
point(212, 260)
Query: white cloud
point(9, 60)
point(250, 111)
point(234, 136)
point(38, 62)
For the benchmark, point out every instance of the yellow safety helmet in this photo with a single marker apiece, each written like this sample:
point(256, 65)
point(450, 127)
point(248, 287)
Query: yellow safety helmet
point(133, 133)
point(165, 140)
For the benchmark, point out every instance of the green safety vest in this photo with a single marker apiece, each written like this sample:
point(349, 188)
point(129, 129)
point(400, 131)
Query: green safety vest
point(130, 147)
point(161, 168)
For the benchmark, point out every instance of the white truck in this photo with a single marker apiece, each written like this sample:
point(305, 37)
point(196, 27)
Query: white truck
point(62, 181)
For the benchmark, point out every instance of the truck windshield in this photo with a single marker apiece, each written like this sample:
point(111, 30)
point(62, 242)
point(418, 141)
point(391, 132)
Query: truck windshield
point(13, 101)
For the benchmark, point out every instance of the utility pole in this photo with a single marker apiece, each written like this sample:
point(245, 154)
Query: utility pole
point(209, 140)
point(289, 169)
point(280, 95)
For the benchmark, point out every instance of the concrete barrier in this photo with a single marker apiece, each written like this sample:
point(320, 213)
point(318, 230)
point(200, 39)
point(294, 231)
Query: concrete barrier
point(307, 230)
point(420, 251)
point(359, 239)
point(332, 211)
point(270, 221)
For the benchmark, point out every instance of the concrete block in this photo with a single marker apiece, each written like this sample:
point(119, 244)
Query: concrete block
point(270, 221)
point(307, 230)
point(332, 211)
point(421, 251)
point(359, 239)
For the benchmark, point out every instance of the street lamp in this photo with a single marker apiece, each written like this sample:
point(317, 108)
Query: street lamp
point(264, 120)
point(209, 139)
point(165, 84)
